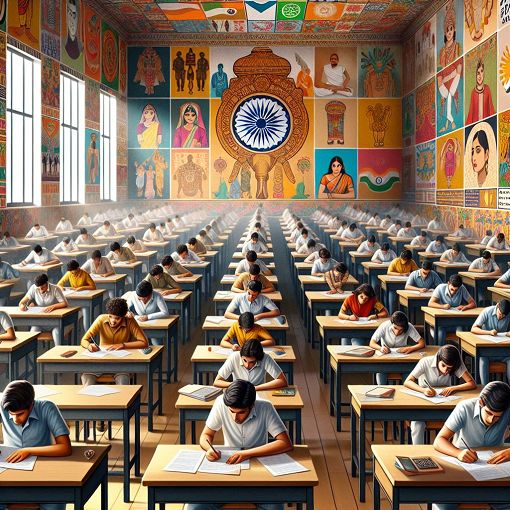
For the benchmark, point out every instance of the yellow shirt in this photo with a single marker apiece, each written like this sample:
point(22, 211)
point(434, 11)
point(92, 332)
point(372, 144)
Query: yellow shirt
point(128, 330)
point(399, 266)
point(79, 279)
point(243, 280)
point(242, 336)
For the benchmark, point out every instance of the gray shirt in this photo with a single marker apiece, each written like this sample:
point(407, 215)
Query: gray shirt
point(104, 266)
point(322, 267)
point(442, 294)
point(488, 320)
point(434, 248)
point(155, 308)
point(431, 282)
point(384, 335)
point(256, 375)
point(244, 266)
point(52, 296)
point(483, 265)
point(241, 304)
point(426, 370)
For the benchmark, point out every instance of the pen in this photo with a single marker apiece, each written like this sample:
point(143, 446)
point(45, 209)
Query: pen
point(212, 447)
point(465, 444)
point(427, 383)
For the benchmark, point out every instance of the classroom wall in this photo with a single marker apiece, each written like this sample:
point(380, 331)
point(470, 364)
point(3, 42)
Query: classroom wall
point(456, 150)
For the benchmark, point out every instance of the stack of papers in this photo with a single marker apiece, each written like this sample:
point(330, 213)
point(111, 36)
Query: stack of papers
point(438, 399)
point(220, 466)
point(121, 353)
point(337, 295)
point(225, 293)
point(186, 461)
point(480, 470)
point(361, 320)
point(36, 309)
point(98, 390)
point(283, 464)
point(25, 465)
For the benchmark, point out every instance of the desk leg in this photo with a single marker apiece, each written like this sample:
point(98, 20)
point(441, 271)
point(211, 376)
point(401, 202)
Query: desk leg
point(176, 352)
point(322, 348)
point(182, 427)
point(150, 399)
point(126, 444)
point(151, 503)
point(160, 386)
point(309, 498)
point(137, 440)
point(104, 490)
point(361, 460)
point(354, 449)
point(377, 493)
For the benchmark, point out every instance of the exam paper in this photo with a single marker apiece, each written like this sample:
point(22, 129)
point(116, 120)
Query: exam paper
point(265, 322)
point(336, 295)
point(499, 338)
point(173, 296)
point(24, 465)
point(186, 461)
point(438, 399)
point(222, 350)
point(392, 354)
point(282, 464)
point(480, 470)
point(428, 293)
point(215, 319)
point(219, 467)
point(96, 354)
point(36, 309)
point(42, 391)
point(97, 390)
point(121, 353)
point(224, 293)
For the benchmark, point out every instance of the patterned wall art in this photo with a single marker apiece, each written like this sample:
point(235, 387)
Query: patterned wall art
point(336, 173)
point(425, 171)
point(92, 43)
point(71, 34)
point(379, 173)
point(426, 112)
point(110, 57)
point(379, 123)
point(50, 28)
point(24, 21)
point(450, 98)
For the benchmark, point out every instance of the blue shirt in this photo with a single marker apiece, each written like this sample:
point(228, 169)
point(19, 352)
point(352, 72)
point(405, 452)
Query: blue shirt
point(43, 422)
point(505, 278)
point(241, 304)
point(155, 308)
point(488, 320)
point(431, 282)
point(442, 293)
point(7, 272)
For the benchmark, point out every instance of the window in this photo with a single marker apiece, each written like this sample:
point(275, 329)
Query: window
point(23, 128)
point(108, 147)
point(72, 150)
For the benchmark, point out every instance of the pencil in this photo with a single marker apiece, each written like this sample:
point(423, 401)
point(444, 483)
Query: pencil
point(465, 444)
point(428, 384)
point(212, 447)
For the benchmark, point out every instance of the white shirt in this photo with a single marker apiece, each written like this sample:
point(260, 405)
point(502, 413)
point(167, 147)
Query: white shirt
point(404, 232)
point(307, 251)
point(81, 239)
point(364, 247)
point(348, 234)
point(191, 257)
point(435, 225)
point(41, 232)
point(256, 375)
point(149, 235)
point(486, 267)
point(380, 256)
point(43, 257)
point(486, 239)
point(103, 231)
point(136, 246)
point(104, 266)
point(99, 218)
point(85, 220)
point(155, 308)
point(450, 257)
point(5, 323)
point(12, 241)
point(64, 226)
point(426, 370)
point(385, 223)
point(66, 248)
point(373, 221)
point(244, 266)
point(496, 245)
point(385, 335)
point(257, 247)
point(418, 241)
point(52, 296)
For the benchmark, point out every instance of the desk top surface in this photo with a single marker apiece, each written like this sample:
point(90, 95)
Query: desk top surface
point(16, 313)
point(54, 355)
point(330, 322)
point(438, 312)
point(22, 337)
point(205, 353)
point(412, 357)
point(226, 323)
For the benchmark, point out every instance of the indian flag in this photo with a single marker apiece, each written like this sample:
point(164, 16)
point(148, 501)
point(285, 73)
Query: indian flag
point(380, 183)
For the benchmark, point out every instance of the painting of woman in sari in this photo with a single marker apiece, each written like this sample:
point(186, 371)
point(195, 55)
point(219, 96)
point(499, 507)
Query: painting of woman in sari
point(336, 183)
point(190, 131)
point(149, 132)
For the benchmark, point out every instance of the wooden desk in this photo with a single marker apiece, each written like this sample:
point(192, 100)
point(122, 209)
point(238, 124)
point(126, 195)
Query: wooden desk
point(14, 254)
point(332, 329)
point(212, 256)
point(89, 248)
point(52, 362)
point(233, 266)
point(340, 364)
point(357, 259)
point(6, 287)
point(480, 283)
point(114, 283)
point(110, 239)
point(501, 257)
point(213, 333)
point(372, 270)
point(454, 485)
point(72, 479)
point(223, 298)
point(132, 270)
point(13, 351)
point(254, 485)
point(446, 269)
point(476, 249)
point(478, 347)
point(193, 410)
point(345, 247)
point(498, 293)
point(46, 242)
point(29, 272)
point(389, 286)
point(228, 280)
point(415, 250)
point(425, 255)
point(66, 256)
point(263, 256)
point(434, 233)
point(462, 241)
point(162, 248)
point(398, 243)
point(412, 301)
point(180, 304)
point(205, 361)
point(149, 258)
point(303, 267)
point(442, 320)
point(204, 269)
point(192, 283)
point(401, 408)
point(120, 406)
point(88, 301)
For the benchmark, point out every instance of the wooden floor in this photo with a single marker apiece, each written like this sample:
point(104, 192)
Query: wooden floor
point(330, 449)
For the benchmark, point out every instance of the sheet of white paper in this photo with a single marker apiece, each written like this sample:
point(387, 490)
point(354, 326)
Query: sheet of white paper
point(318, 278)
point(224, 294)
point(173, 296)
point(222, 350)
point(229, 277)
point(121, 353)
point(265, 322)
point(215, 319)
point(499, 338)
point(337, 295)
point(219, 467)
point(36, 309)
point(24, 465)
point(96, 390)
point(452, 310)
point(480, 470)
point(424, 294)
point(340, 349)
point(282, 464)
point(227, 452)
point(43, 391)
point(395, 278)
point(392, 354)
point(97, 276)
point(438, 399)
point(96, 354)
point(186, 461)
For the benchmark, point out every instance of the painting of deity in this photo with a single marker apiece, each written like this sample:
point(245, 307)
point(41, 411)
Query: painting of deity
point(380, 71)
point(450, 33)
point(148, 71)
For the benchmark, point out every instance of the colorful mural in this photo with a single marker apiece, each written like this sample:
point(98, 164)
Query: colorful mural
point(71, 34)
point(23, 21)
point(110, 57)
point(380, 174)
point(336, 173)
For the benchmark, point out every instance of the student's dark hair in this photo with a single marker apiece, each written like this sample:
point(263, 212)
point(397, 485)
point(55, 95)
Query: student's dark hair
point(408, 224)
point(246, 320)
point(496, 396)
point(254, 269)
point(427, 265)
point(311, 243)
point(344, 222)
point(258, 224)
point(240, 394)
point(131, 240)
point(423, 233)
point(385, 246)
point(115, 246)
point(449, 355)
point(406, 254)
point(352, 226)
point(73, 265)
point(37, 248)
point(7, 234)
point(66, 240)
point(36, 225)
point(83, 231)
point(371, 238)
point(117, 306)
point(144, 288)
point(18, 396)
point(341, 267)
point(155, 270)
point(255, 286)
point(486, 254)
point(152, 225)
point(106, 223)
point(455, 280)
point(202, 233)
point(253, 349)
point(299, 225)
point(366, 289)
point(461, 225)
point(182, 248)
point(304, 231)
point(440, 238)
point(500, 236)
point(456, 247)
point(96, 254)
point(254, 235)
point(41, 279)
point(400, 319)
point(488, 232)
point(398, 222)
point(192, 240)
point(504, 306)
point(167, 260)
point(324, 253)
point(251, 256)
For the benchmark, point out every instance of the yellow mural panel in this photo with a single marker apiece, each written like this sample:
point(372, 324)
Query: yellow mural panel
point(379, 123)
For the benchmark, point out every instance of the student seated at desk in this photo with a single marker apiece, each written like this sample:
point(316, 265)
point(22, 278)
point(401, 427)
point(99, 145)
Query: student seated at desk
point(476, 423)
point(85, 219)
point(454, 255)
point(374, 221)
point(336, 278)
point(334, 222)
point(421, 240)
point(8, 241)
point(487, 237)
point(6, 327)
point(67, 245)
point(129, 222)
point(302, 240)
point(251, 258)
point(196, 246)
point(261, 231)
point(77, 278)
point(323, 263)
point(34, 427)
point(407, 231)
point(485, 264)
point(423, 279)
point(246, 422)
point(37, 231)
point(64, 225)
point(403, 265)
point(447, 296)
point(211, 234)
point(296, 232)
point(116, 331)
point(99, 265)
point(369, 246)
point(386, 222)
point(394, 334)
point(343, 226)
point(462, 232)
point(242, 281)
point(437, 246)
point(504, 281)
point(134, 245)
point(498, 243)
point(120, 254)
point(7, 272)
point(243, 330)
point(254, 244)
point(436, 224)
point(85, 237)
point(361, 303)
point(162, 228)
point(395, 228)
point(49, 296)
point(251, 363)
point(99, 217)
point(438, 371)
point(105, 230)
point(383, 254)
point(152, 234)
point(204, 238)
point(352, 234)
point(185, 256)
point(493, 320)
point(41, 256)
point(162, 282)
point(252, 301)
point(174, 268)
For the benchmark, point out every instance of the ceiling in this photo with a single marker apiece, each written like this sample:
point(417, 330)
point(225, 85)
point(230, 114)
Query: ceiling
point(139, 18)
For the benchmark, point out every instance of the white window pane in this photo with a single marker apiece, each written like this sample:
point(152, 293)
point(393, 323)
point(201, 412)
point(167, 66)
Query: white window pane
point(17, 82)
point(65, 105)
point(29, 160)
point(28, 87)
point(106, 122)
point(9, 79)
point(67, 165)
point(75, 168)
point(17, 158)
point(9, 158)
point(74, 103)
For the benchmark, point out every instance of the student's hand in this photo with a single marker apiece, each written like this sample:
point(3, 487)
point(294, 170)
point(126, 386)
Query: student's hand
point(467, 456)
point(446, 306)
point(130, 315)
point(371, 317)
point(165, 292)
point(385, 349)
point(405, 350)
point(353, 317)
point(238, 457)
point(236, 347)
point(461, 308)
point(257, 317)
point(493, 332)
point(333, 291)
point(18, 455)
point(115, 347)
point(143, 318)
point(446, 392)
point(49, 309)
point(423, 291)
point(212, 455)
point(500, 457)
point(430, 392)
point(93, 347)
point(23, 308)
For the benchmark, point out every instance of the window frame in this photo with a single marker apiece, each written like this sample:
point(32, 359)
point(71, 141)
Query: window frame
point(108, 175)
